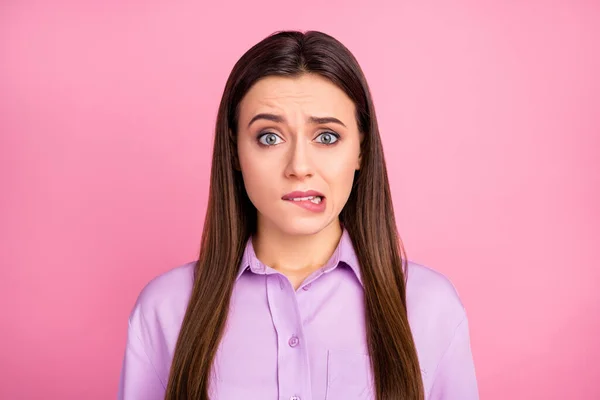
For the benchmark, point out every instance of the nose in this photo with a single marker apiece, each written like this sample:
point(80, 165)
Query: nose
point(299, 163)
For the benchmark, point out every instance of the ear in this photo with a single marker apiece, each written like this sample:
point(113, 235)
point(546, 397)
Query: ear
point(359, 160)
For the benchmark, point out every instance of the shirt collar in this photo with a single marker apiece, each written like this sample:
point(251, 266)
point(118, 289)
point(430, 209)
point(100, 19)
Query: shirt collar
point(344, 252)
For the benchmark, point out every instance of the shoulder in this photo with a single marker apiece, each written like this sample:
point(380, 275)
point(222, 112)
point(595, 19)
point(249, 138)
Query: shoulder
point(155, 320)
point(163, 300)
point(435, 311)
point(429, 292)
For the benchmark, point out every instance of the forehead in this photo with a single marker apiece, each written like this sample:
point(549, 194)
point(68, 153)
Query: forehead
point(309, 94)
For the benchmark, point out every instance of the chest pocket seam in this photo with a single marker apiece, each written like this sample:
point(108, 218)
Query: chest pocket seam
point(348, 376)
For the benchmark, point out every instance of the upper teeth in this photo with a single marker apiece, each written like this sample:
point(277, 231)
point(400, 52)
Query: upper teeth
point(314, 199)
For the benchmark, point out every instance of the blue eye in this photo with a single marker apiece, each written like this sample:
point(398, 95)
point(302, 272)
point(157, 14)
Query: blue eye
point(328, 137)
point(268, 139)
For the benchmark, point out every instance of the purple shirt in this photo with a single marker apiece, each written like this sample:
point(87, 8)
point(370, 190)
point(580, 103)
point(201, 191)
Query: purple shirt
point(308, 344)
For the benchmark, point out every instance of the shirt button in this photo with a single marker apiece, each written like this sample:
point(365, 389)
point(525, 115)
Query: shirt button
point(293, 342)
point(306, 287)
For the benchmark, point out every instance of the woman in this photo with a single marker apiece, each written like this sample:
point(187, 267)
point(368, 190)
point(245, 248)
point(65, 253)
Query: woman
point(301, 290)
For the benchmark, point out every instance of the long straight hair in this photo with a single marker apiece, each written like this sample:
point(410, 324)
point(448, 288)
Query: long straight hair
point(231, 219)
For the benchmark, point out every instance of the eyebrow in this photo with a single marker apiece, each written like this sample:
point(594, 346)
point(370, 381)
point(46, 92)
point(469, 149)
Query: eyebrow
point(280, 119)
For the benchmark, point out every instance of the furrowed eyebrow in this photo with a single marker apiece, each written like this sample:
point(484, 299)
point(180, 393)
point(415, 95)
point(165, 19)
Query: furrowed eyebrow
point(280, 119)
point(326, 120)
point(268, 117)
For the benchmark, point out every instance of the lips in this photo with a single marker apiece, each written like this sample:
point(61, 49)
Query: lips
point(309, 200)
point(297, 195)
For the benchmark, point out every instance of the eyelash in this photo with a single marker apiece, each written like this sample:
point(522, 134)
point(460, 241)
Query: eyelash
point(337, 137)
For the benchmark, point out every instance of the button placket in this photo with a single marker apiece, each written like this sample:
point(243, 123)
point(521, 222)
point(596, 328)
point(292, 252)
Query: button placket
point(293, 342)
point(293, 367)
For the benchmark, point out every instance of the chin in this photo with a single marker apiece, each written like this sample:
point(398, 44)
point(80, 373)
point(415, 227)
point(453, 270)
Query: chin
point(295, 225)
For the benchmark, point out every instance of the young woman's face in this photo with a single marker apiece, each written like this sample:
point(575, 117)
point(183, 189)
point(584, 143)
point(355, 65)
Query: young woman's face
point(297, 134)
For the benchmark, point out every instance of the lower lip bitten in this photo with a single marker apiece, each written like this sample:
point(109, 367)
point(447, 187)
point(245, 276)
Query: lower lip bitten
point(315, 203)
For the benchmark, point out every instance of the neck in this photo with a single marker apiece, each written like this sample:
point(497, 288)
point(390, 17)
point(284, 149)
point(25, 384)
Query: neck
point(296, 256)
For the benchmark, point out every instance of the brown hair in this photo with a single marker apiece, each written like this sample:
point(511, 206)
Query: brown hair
point(230, 220)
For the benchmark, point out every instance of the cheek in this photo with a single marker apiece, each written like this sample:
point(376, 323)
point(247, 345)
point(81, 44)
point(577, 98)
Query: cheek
point(257, 173)
point(340, 176)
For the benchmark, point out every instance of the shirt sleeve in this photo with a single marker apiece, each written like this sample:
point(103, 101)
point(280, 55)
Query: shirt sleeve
point(455, 375)
point(139, 379)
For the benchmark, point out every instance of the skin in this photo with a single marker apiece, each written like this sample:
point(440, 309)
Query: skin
point(297, 154)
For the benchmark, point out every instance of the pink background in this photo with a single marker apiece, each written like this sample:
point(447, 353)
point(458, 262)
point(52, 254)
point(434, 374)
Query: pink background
point(490, 120)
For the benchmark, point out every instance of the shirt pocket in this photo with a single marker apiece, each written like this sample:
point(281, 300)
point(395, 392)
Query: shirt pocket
point(349, 376)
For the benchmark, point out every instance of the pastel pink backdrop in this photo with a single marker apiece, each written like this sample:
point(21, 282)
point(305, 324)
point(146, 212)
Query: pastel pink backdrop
point(490, 120)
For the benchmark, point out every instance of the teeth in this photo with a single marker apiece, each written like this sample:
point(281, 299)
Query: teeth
point(303, 198)
point(314, 199)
